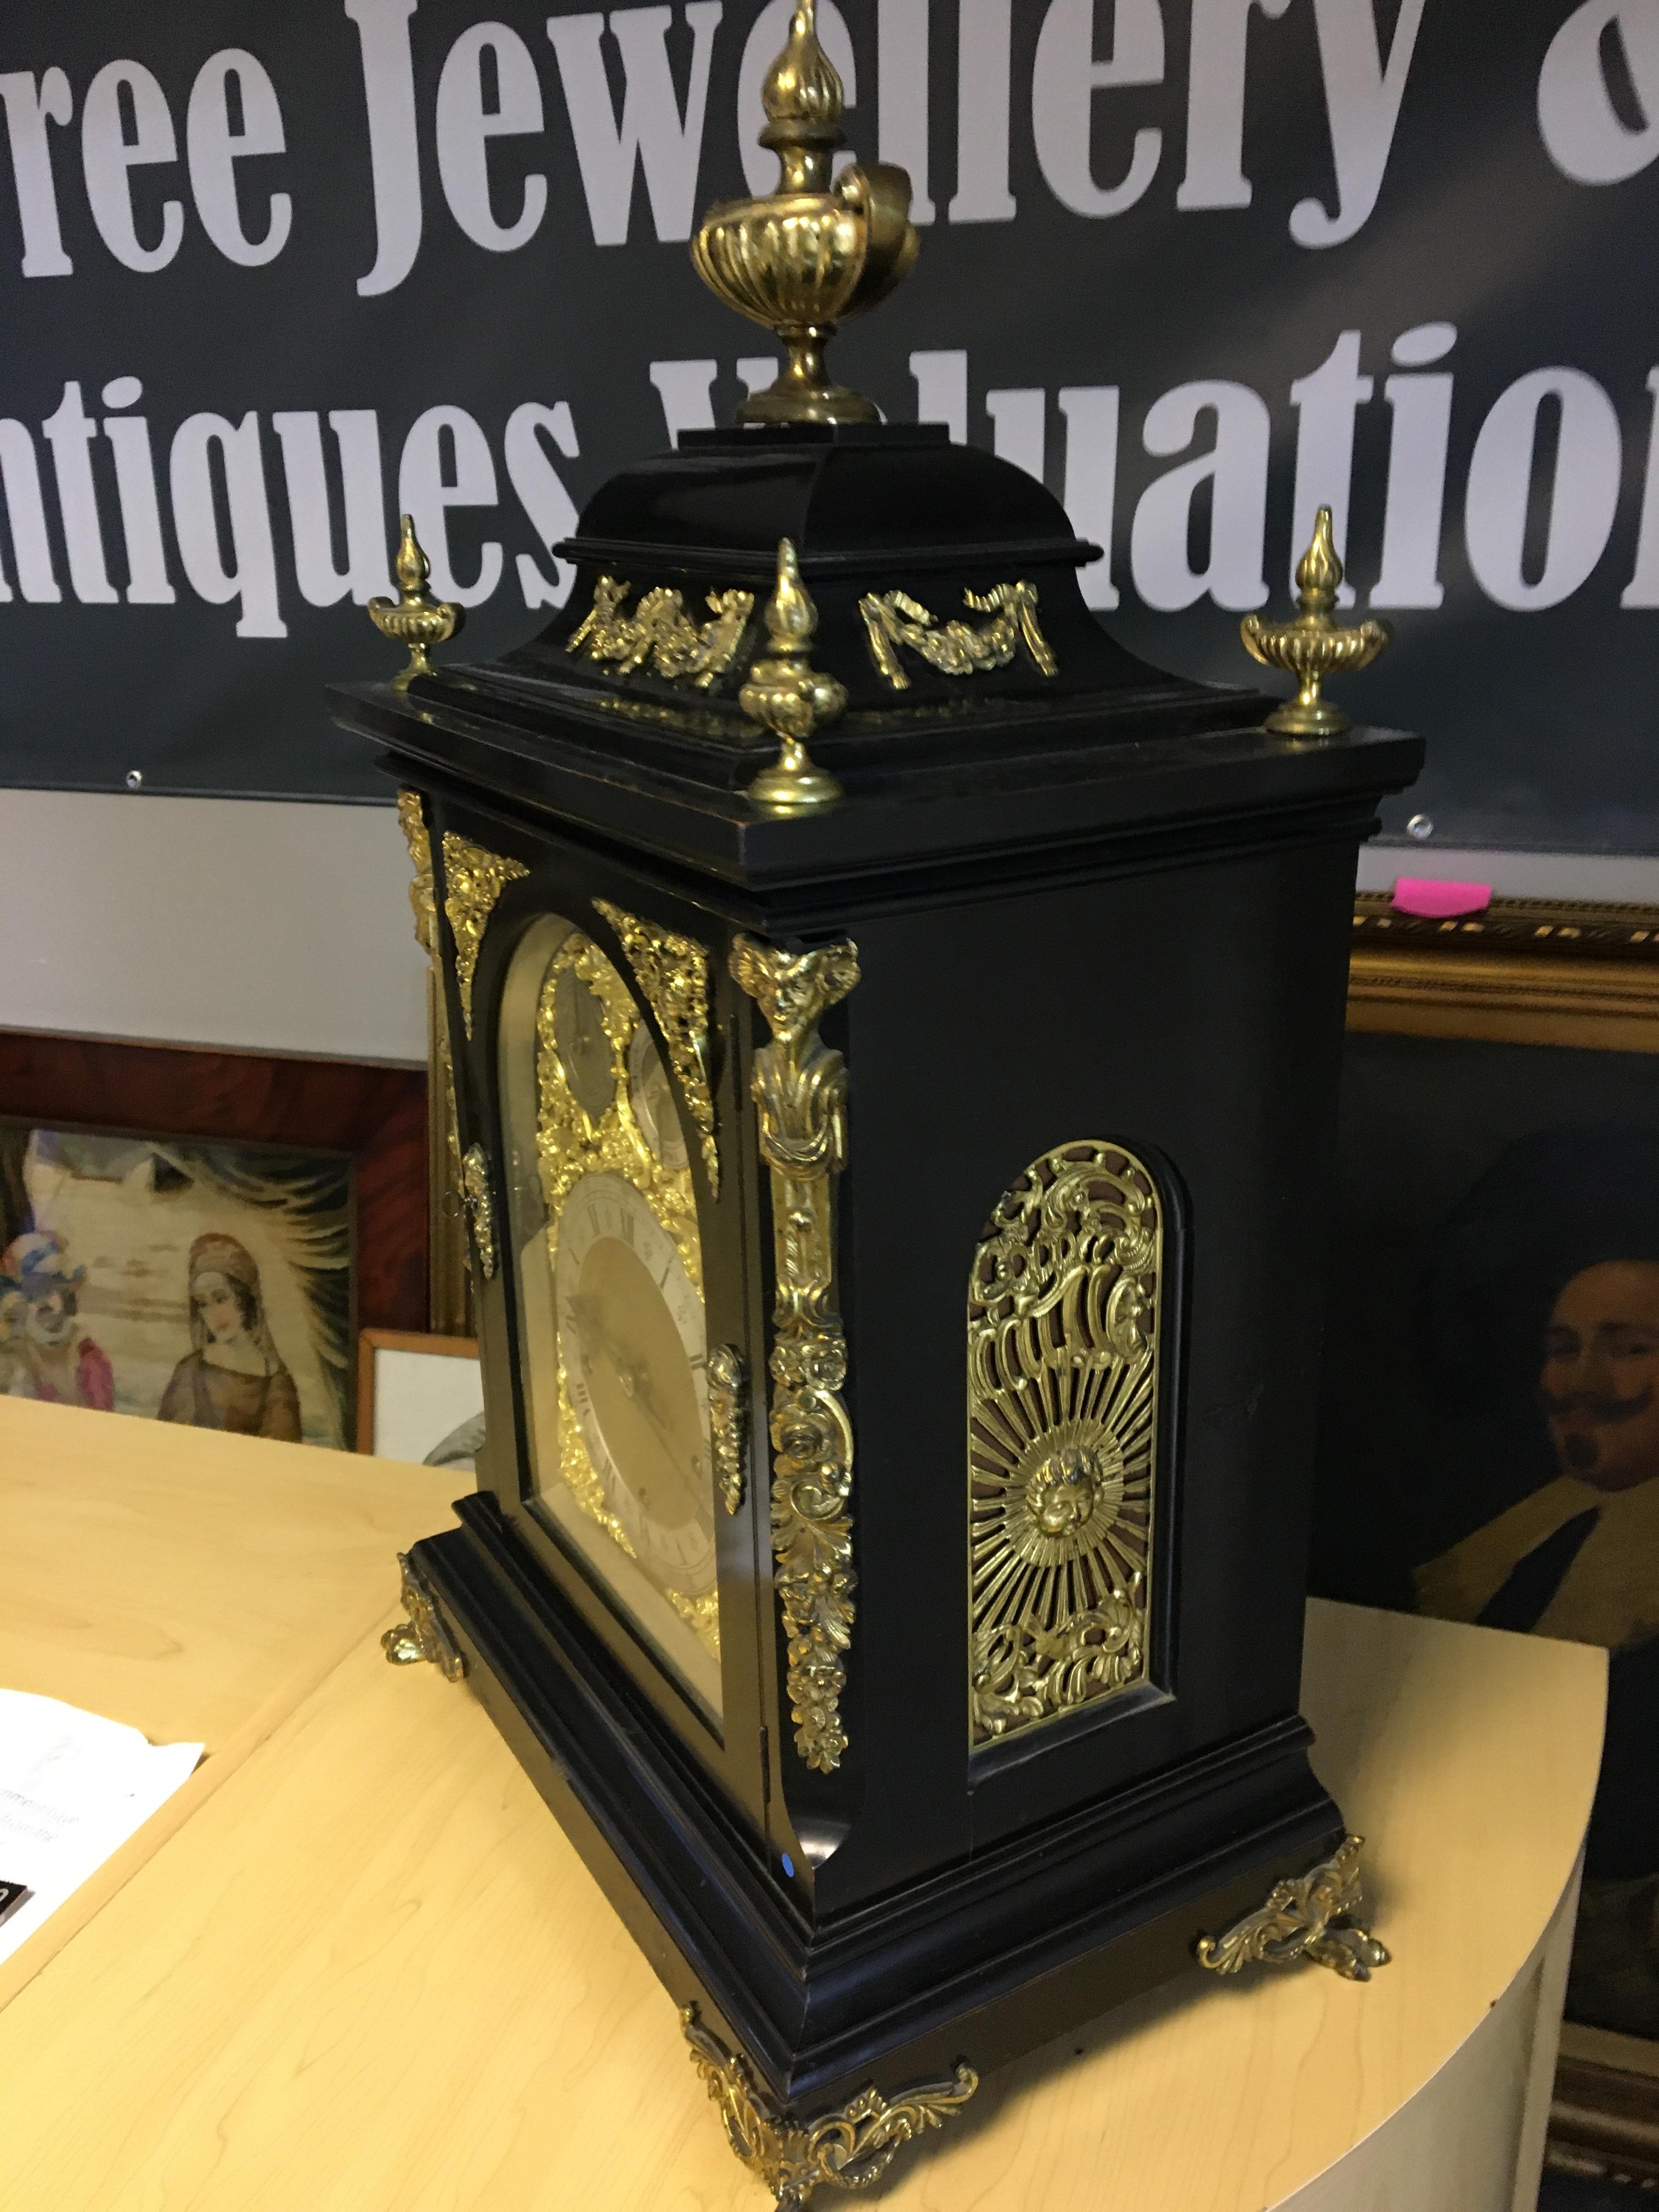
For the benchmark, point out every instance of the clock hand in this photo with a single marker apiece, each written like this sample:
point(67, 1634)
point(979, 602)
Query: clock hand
point(634, 1378)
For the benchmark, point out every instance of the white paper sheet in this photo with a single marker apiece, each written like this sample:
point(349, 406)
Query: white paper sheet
point(73, 1788)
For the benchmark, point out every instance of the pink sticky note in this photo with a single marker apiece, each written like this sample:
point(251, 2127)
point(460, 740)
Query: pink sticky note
point(1438, 900)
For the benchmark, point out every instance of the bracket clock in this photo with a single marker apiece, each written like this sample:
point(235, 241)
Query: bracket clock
point(895, 1038)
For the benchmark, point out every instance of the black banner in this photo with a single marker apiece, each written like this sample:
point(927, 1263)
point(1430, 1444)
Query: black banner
point(271, 274)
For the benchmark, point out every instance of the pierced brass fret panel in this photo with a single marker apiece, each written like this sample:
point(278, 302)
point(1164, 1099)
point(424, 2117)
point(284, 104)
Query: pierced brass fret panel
point(1064, 1364)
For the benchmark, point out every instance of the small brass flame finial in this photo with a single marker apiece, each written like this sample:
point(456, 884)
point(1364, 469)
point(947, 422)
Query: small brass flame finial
point(415, 618)
point(815, 250)
point(787, 694)
point(1314, 646)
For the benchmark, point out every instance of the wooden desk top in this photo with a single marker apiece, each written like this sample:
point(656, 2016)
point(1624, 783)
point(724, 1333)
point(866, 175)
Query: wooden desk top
point(192, 1585)
point(369, 1975)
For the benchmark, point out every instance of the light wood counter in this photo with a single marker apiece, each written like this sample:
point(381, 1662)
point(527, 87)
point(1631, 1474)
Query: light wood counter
point(368, 1974)
point(192, 1585)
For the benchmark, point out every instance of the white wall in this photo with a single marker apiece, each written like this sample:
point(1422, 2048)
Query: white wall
point(287, 928)
point(1623, 879)
point(283, 928)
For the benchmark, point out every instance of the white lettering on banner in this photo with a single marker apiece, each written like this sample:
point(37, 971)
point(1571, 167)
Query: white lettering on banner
point(427, 490)
point(1216, 53)
point(1583, 133)
point(27, 113)
point(148, 582)
point(214, 147)
point(466, 123)
point(250, 574)
point(767, 34)
point(942, 390)
point(1643, 589)
point(542, 493)
point(686, 389)
point(337, 502)
point(1583, 496)
point(652, 133)
point(901, 85)
point(26, 513)
point(108, 157)
point(984, 69)
point(1235, 467)
point(394, 156)
point(1414, 501)
point(1064, 81)
point(1019, 428)
point(1091, 490)
point(1362, 105)
point(1326, 404)
point(70, 433)
point(358, 437)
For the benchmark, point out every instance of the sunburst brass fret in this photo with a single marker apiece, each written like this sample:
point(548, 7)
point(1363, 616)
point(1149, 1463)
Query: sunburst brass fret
point(1063, 1362)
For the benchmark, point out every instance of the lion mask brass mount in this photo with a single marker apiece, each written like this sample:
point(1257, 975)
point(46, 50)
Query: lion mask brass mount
point(1314, 646)
point(814, 252)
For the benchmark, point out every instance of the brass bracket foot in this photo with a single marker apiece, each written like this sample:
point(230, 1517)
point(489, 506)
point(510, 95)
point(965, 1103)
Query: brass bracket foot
point(1314, 1916)
point(423, 1634)
point(850, 2148)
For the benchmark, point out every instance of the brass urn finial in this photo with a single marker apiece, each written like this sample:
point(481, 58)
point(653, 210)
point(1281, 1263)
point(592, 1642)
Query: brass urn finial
point(787, 694)
point(815, 250)
point(414, 618)
point(1314, 646)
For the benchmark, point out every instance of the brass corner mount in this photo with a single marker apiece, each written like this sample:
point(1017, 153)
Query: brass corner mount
point(816, 250)
point(414, 618)
point(787, 694)
point(1314, 1916)
point(1314, 646)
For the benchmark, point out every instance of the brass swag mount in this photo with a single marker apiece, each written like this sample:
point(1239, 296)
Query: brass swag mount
point(814, 252)
point(1314, 646)
point(660, 634)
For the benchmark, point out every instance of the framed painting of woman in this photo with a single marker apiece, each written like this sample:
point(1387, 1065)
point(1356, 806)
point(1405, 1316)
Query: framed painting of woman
point(197, 1236)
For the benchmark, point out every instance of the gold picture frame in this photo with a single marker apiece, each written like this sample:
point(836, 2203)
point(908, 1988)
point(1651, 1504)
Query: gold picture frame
point(1534, 972)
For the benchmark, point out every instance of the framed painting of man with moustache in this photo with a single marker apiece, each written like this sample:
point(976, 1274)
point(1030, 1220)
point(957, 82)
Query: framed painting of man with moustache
point(1490, 1430)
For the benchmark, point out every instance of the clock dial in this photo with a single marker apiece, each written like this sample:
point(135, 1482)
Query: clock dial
point(651, 1100)
point(632, 1339)
point(608, 1269)
point(581, 1040)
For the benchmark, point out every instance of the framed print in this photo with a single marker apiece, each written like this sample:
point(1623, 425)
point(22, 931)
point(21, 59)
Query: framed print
point(194, 1236)
point(1489, 1446)
point(420, 1397)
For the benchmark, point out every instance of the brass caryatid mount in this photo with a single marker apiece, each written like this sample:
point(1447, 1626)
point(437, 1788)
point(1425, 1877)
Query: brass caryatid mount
point(815, 250)
point(414, 618)
point(1314, 646)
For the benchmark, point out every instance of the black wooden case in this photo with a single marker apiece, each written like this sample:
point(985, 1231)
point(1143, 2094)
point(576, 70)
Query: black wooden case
point(1103, 904)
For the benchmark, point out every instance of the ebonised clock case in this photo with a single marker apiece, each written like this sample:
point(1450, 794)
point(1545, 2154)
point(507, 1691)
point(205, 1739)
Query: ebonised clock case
point(1122, 912)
